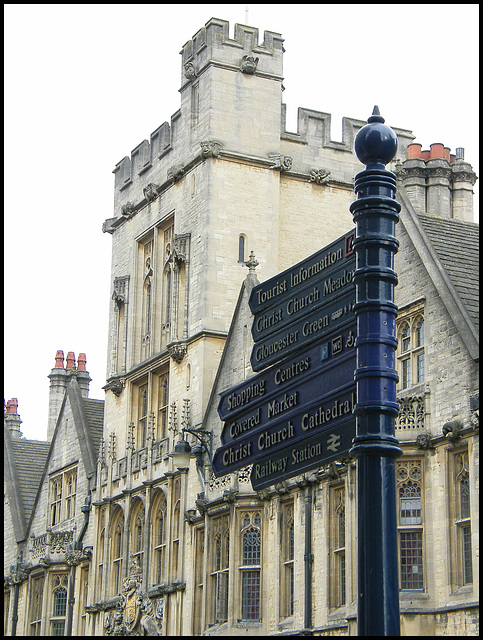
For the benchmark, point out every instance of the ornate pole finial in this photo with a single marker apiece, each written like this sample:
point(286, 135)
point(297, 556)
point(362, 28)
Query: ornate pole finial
point(376, 143)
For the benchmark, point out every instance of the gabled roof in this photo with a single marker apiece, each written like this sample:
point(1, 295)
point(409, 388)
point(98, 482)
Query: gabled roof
point(457, 246)
point(235, 326)
point(95, 419)
point(27, 461)
point(449, 251)
point(24, 466)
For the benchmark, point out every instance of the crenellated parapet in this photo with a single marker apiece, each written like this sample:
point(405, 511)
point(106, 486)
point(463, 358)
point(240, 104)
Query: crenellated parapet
point(212, 45)
point(231, 110)
point(314, 130)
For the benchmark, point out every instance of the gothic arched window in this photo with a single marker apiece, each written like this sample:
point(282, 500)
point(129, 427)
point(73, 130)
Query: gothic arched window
point(250, 569)
point(409, 477)
point(410, 351)
point(159, 539)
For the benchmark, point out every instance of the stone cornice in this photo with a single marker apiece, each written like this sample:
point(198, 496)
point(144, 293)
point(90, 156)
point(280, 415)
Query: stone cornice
point(213, 149)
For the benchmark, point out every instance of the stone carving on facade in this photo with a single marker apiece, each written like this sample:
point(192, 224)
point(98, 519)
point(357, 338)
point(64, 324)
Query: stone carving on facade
point(423, 441)
point(128, 210)
point(280, 162)
point(181, 246)
point(248, 64)
point(177, 351)
point(134, 613)
point(150, 192)
point(465, 176)
point(73, 557)
point(175, 172)
point(190, 516)
point(475, 419)
point(210, 148)
point(190, 71)
point(50, 542)
point(18, 571)
point(116, 386)
point(119, 294)
point(452, 429)
point(173, 419)
point(202, 505)
point(411, 412)
point(229, 495)
point(319, 176)
point(244, 474)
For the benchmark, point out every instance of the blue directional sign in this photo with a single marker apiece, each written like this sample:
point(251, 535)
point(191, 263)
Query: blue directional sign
point(280, 344)
point(317, 357)
point(304, 273)
point(307, 299)
point(301, 393)
point(297, 413)
point(317, 416)
point(303, 455)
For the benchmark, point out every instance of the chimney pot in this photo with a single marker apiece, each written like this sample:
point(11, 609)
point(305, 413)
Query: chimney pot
point(460, 153)
point(414, 150)
point(12, 405)
point(425, 155)
point(436, 150)
point(59, 360)
point(81, 362)
point(447, 154)
point(70, 360)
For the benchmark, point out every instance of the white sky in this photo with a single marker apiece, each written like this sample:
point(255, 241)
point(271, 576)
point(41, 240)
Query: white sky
point(86, 83)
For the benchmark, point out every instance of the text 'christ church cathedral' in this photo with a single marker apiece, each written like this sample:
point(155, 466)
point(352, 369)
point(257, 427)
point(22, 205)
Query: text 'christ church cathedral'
point(106, 533)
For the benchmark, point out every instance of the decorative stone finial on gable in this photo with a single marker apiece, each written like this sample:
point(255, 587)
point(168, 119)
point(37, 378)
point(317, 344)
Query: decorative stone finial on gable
point(251, 263)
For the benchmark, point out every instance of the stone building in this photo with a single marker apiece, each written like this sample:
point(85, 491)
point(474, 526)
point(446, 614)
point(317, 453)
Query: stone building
point(161, 547)
point(48, 488)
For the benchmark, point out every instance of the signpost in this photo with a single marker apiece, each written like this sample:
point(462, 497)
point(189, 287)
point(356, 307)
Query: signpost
point(336, 313)
point(305, 300)
point(321, 415)
point(299, 409)
point(303, 455)
point(316, 358)
point(290, 385)
point(305, 409)
point(304, 273)
point(375, 447)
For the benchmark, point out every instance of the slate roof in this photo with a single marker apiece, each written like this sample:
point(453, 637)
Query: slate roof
point(30, 457)
point(449, 250)
point(457, 246)
point(95, 418)
point(27, 460)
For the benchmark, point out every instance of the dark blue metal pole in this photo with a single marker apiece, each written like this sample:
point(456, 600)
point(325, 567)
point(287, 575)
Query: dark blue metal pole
point(375, 447)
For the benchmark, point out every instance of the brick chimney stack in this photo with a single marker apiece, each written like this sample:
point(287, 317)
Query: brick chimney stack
point(83, 377)
point(12, 418)
point(438, 182)
point(58, 384)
